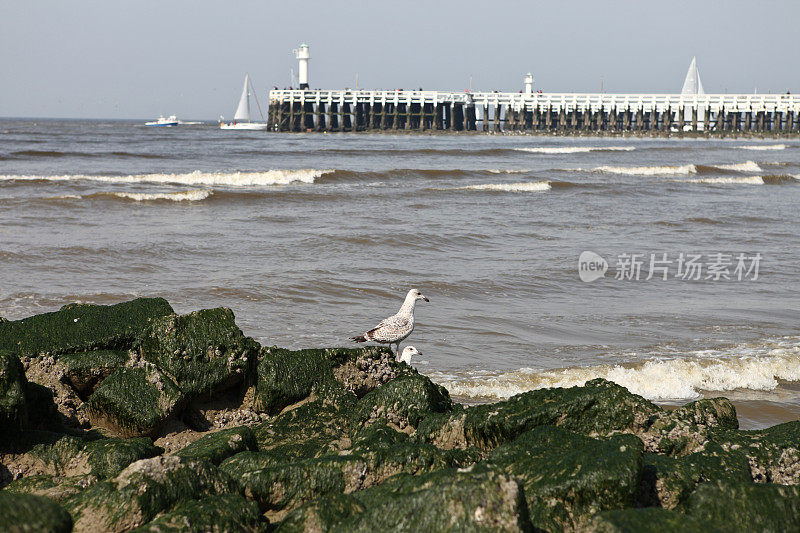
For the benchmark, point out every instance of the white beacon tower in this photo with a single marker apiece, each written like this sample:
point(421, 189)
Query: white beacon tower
point(528, 83)
point(302, 56)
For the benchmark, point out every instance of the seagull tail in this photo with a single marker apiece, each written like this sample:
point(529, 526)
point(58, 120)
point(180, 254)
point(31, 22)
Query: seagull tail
point(360, 338)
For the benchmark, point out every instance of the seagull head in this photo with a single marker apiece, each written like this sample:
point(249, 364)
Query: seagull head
point(415, 295)
point(408, 351)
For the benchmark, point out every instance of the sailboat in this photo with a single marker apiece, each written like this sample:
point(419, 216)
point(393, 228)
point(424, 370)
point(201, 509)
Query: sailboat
point(692, 86)
point(241, 120)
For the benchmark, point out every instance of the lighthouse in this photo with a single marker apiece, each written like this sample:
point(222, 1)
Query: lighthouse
point(302, 56)
point(528, 83)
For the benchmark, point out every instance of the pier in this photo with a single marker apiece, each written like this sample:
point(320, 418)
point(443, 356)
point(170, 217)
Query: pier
point(401, 110)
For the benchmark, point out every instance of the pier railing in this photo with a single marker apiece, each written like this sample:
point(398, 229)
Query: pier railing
point(414, 109)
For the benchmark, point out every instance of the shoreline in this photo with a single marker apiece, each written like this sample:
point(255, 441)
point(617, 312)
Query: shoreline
point(103, 404)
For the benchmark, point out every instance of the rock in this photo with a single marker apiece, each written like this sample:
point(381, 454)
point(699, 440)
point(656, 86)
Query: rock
point(747, 506)
point(567, 477)
point(56, 488)
point(31, 453)
point(649, 520)
point(57, 402)
point(85, 370)
point(447, 500)
point(312, 429)
point(322, 515)
point(287, 485)
point(13, 384)
point(134, 401)
point(598, 408)
point(218, 446)
point(773, 453)
point(143, 490)
point(403, 402)
point(219, 513)
point(204, 351)
point(688, 428)
point(668, 482)
point(25, 512)
point(287, 376)
point(81, 327)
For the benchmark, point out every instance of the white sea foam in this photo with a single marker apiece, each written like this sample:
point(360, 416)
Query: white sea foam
point(509, 171)
point(194, 195)
point(656, 379)
point(230, 179)
point(534, 186)
point(747, 166)
point(575, 149)
point(744, 180)
point(649, 171)
point(764, 147)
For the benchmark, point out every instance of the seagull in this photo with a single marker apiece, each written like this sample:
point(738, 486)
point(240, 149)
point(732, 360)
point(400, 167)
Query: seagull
point(408, 351)
point(396, 328)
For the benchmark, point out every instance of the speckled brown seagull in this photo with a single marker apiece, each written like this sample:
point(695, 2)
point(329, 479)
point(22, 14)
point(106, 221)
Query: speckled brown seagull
point(396, 328)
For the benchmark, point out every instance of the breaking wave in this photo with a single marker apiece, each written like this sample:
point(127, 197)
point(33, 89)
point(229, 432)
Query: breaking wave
point(194, 195)
point(764, 147)
point(649, 171)
point(743, 367)
point(772, 179)
point(230, 179)
point(747, 166)
point(533, 186)
point(575, 149)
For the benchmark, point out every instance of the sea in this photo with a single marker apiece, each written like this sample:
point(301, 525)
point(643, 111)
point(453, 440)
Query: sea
point(669, 266)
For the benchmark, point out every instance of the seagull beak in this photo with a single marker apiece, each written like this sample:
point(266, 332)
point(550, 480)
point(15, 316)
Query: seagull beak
point(425, 298)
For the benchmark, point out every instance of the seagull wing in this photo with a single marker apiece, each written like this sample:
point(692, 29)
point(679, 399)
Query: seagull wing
point(390, 328)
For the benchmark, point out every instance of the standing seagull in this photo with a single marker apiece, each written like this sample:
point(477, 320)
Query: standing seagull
point(396, 328)
point(408, 351)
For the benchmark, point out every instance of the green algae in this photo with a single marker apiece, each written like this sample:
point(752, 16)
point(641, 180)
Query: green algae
point(404, 401)
point(747, 506)
point(29, 513)
point(220, 513)
point(204, 351)
point(85, 370)
point(649, 520)
point(219, 445)
point(134, 401)
point(81, 327)
point(13, 384)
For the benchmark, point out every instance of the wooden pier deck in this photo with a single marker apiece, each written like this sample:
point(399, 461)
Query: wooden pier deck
point(362, 110)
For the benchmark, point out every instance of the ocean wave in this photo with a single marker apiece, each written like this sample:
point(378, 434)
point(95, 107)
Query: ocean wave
point(747, 166)
point(532, 186)
point(36, 154)
point(771, 179)
point(509, 171)
point(575, 149)
point(683, 378)
point(764, 147)
point(649, 171)
point(193, 195)
point(230, 179)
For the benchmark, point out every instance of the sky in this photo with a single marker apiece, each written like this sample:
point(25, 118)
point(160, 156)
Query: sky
point(125, 59)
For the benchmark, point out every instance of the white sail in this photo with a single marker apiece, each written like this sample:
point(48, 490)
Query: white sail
point(243, 111)
point(692, 84)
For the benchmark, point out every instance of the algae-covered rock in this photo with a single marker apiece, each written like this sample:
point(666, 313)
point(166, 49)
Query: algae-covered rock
point(569, 477)
point(287, 485)
point(598, 408)
point(218, 514)
point(289, 376)
point(29, 513)
point(219, 445)
point(134, 401)
point(322, 515)
point(688, 428)
point(81, 327)
point(143, 490)
point(403, 402)
point(310, 430)
point(203, 351)
point(56, 488)
point(773, 453)
point(85, 370)
point(13, 384)
point(447, 500)
point(649, 520)
point(668, 481)
point(60, 455)
point(747, 506)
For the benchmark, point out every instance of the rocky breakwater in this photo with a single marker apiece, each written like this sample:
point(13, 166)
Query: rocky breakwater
point(131, 417)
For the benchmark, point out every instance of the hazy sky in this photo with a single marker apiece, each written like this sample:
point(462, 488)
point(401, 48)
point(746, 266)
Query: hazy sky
point(125, 59)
